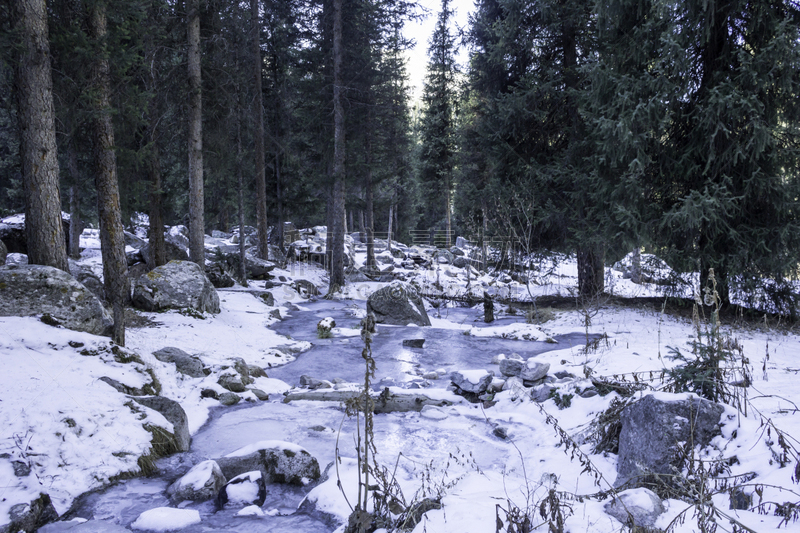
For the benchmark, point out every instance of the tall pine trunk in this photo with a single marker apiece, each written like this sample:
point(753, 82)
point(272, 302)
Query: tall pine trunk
point(337, 252)
point(112, 242)
point(258, 136)
point(156, 229)
point(34, 91)
point(196, 205)
point(75, 222)
point(369, 215)
point(279, 198)
point(242, 270)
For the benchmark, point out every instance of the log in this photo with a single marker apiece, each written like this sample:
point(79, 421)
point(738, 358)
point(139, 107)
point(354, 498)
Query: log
point(385, 402)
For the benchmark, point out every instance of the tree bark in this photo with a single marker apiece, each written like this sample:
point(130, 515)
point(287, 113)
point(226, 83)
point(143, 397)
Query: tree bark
point(258, 136)
point(75, 222)
point(240, 183)
point(591, 273)
point(389, 234)
point(156, 228)
point(112, 242)
point(369, 215)
point(337, 253)
point(196, 200)
point(279, 198)
point(38, 155)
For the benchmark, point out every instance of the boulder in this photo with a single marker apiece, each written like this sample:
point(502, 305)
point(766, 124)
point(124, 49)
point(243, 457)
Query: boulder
point(133, 241)
point(641, 505)
point(399, 304)
point(651, 430)
point(3, 253)
point(42, 290)
point(305, 288)
point(13, 234)
point(178, 235)
point(203, 482)
point(231, 380)
point(473, 381)
point(174, 414)
point(511, 367)
point(31, 516)
point(280, 462)
point(533, 371)
point(256, 268)
point(229, 398)
point(219, 277)
point(178, 284)
point(325, 327)
point(172, 252)
point(184, 363)
point(244, 489)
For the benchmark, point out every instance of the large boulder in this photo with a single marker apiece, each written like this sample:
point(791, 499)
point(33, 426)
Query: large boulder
point(172, 252)
point(174, 414)
point(42, 290)
point(203, 482)
point(30, 516)
point(178, 284)
point(12, 232)
point(184, 363)
point(651, 430)
point(280, 462)
point(642, 506)
point(399, 304)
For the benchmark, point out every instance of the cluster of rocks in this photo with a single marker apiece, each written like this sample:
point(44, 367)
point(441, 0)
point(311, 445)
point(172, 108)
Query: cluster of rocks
point(234, 382)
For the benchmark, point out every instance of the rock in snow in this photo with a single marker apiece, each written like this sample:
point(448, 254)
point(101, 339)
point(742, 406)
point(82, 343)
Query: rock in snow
point(178, 285)
point(642, 504)
point(42, 290)
point(202, 482)
point(166, 519)
point(399, 304)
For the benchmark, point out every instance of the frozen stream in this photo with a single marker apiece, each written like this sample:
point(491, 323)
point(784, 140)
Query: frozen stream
point(315, 425)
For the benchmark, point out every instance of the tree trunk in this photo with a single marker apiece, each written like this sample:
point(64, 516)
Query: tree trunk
point(389, 233)
point(156, 229)
point(37, 132)
point(279, 198)
point(370, 218)
point(258, 135)
point(591, 272)
point(448, 226)
point(112, 242)
point(240, 183)
point(196, 208)
point(75, 222)
point(337, 253)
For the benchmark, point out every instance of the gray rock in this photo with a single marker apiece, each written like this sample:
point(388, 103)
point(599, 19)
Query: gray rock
point(256, 268)
point(260, 394)
point(542, 394)
point(533, 371)
point(203, 482)
point(178, 235)
point(219, 277)
point(229, 398)
point(178, 284)
point(399, 304)
point(249, 490)
point(651, 429)
point(314, 383)
point(137, 271)
point(133, 241)
point(305, 287)
point(279, 464)
point(172, 252)
point(3, 253)
point(220, 234)
point(174, 414)
point(641, 505)
point(276, 314)
point(184, 363)
point(13, 234)
point(232, 381)
point(127, 389)
point(456, 251)
point(413, 343)
point(461, 242)
point(21, 468)
point(475, 384)
point(37, 290)
point(511, 367)
point(31, 516)
point(90, 526)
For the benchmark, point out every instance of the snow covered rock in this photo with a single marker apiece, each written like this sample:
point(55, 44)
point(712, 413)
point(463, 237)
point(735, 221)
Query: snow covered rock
point(166, 519)
point(31, 516)
point(305, 288)
point(174, 414)
point(472, 381)
point(13, 234)
point(229, 398)
point(231, 380)
point(184, 363)
point(533, 371)
point(244, 489)
point(511, 367)
point(324, 327)
point(642, 504)
point(178, 284)
point(43, 290)
point(202, 482)
point(280, 462)
point(653, 426)
point(399, 304)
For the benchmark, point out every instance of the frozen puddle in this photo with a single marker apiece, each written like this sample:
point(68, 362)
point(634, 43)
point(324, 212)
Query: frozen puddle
point(316, 425)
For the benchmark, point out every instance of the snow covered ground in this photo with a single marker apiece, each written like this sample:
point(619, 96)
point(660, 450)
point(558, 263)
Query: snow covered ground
point(75, 433)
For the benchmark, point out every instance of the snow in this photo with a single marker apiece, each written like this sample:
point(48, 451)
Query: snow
point(243, 488)
point(166, 519)
point(198, 475)
point(77, 433)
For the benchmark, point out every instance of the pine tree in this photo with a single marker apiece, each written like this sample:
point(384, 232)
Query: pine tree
point(196, 200)
point(34, 86)
point(437, 136)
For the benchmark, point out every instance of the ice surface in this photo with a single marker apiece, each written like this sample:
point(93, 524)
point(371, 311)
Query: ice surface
point(166, 519)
